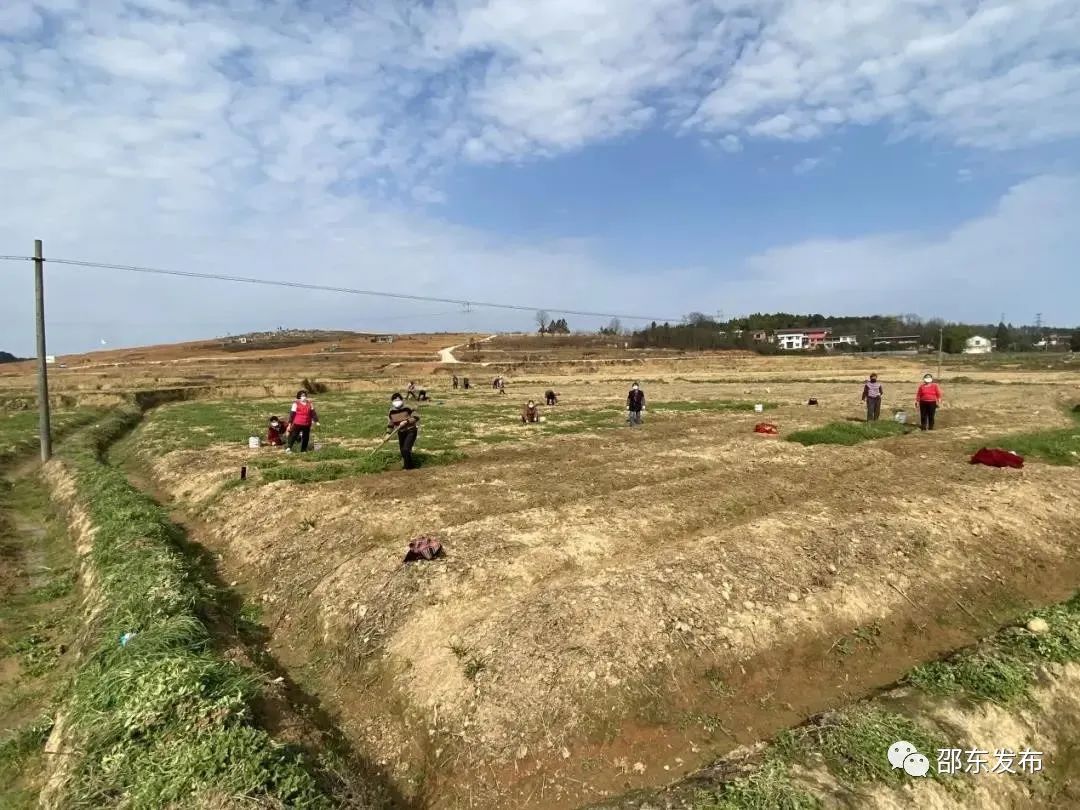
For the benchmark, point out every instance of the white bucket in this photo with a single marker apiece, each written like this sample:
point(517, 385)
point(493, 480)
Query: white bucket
point(900, 417)
point(759, 408)
point(254, 443)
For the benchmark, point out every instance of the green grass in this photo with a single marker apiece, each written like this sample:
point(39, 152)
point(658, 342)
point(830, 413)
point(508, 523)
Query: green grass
point(19, 429)
point(1061, 447)
point(164, 720)
point(768, 788)
point(853, 742)
point(720, 405)
point(1003, 668)
point(848, 433)
point(348, 417)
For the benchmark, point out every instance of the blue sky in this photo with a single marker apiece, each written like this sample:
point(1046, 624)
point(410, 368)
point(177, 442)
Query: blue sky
point(659, 157)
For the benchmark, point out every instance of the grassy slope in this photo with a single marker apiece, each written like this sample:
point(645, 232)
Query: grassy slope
point(164, 720)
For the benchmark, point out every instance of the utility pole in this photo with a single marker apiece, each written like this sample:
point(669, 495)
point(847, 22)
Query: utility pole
point(44, 423)
point(940, 349)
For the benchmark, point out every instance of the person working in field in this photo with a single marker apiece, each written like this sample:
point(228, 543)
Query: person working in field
point(872, 393)
point(454, 382)
point(302, 417)
point(407, 425)
point(530, 413)
point(927, 398)
point(410, 391)
point(635, 404)
point(421, 395)
point(275, 432)
point(465, 383)
point(551, 397)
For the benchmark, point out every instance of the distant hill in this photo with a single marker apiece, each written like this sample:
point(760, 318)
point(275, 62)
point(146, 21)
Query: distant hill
point(7, 357)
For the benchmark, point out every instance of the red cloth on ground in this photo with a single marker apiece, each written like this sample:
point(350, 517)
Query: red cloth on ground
point(998, 458)
point(766, 428)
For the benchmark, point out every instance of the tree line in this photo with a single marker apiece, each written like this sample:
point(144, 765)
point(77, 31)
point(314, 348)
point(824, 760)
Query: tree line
point(699, 331)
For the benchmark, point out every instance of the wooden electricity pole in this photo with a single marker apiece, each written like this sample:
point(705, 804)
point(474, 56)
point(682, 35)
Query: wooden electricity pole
point(44, 423)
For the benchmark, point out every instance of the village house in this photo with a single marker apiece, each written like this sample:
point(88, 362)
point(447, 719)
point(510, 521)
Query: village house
point(977, 344)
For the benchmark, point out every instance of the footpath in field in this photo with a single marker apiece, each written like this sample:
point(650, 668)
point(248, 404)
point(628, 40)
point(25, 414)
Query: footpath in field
point(38, 609)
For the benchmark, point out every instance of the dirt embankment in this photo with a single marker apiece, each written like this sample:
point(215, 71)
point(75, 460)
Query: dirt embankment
point(597, 585)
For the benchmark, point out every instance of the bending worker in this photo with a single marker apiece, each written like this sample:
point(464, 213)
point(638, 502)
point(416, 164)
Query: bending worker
point(407, 424)
point(530, 413)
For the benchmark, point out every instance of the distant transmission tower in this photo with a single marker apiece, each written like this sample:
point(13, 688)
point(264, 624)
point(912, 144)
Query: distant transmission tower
point(1038, 320)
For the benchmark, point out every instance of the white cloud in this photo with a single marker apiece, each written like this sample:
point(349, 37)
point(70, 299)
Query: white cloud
point(806, 165)
point(1018, 257)
point(253, 134)
point(986, 74)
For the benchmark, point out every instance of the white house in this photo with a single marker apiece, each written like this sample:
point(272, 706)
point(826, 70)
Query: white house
point(977, 344)
point(791, 339)
point(840, 340)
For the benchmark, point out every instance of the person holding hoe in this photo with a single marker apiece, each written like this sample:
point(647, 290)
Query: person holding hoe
point(406, 424)
point(927, 398)
point(302, 418)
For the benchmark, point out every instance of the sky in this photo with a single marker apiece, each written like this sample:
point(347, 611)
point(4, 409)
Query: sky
point(637, 157)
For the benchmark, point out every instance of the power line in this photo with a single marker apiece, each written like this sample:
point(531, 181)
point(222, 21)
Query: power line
point(467, 304)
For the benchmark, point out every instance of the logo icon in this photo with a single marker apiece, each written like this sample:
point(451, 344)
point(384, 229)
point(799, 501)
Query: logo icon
point(904, 755)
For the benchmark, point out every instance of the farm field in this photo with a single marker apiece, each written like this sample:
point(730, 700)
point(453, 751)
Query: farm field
point(618, 606)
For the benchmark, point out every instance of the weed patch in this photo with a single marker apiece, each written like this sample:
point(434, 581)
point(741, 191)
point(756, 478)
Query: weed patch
point(853, 743)
point(716, 405)
point(1061, 447)
point(1002, 668)
point(768, 788)
point(847, 433)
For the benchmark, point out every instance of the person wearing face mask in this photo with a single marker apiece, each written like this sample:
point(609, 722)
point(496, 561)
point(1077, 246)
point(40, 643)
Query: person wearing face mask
point(403, 420)
point(635, 404)
point(275, 432)
point(530, 413)
point(302, 418)
point(872, 393)
point(927, 398)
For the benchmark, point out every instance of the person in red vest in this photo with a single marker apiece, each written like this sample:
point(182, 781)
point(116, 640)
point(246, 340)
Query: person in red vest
point(302, 417)
point(927, 399)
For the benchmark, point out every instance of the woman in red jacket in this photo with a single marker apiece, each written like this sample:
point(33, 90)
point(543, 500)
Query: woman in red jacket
point(927, 399)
